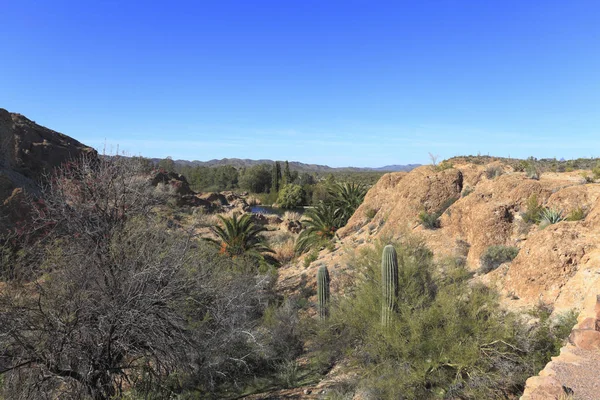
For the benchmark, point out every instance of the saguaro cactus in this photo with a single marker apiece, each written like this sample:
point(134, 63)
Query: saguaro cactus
point(323, 291)
point(389, 283)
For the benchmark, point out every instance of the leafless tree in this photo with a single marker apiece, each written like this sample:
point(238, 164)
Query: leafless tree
point(114, 300)
point(434, 159)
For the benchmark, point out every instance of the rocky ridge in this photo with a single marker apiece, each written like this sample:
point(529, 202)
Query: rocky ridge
point(27, 152)
point(558, 266)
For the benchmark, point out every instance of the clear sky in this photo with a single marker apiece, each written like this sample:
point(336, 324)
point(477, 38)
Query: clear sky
point(361, 83)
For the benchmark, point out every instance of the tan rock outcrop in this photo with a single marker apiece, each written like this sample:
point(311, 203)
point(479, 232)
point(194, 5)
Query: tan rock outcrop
point(558, 265)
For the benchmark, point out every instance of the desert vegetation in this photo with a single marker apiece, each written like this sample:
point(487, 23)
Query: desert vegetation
point(104, 299)
point(112, 290)
point(269, 181)
point(449, 339)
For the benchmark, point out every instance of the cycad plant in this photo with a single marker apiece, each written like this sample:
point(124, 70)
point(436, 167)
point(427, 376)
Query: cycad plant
point(347, 197)
point(321, 224)
point(241, 236)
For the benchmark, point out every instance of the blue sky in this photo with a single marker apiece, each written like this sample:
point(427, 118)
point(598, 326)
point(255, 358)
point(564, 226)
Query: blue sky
point(361, 83)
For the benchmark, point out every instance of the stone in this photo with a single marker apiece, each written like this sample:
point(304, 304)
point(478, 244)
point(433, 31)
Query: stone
point(291, 226)
point(31, 149)
point(588, 323)
point(585, 339)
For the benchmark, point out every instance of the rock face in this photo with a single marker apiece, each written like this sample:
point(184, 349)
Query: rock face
point(575, 370)
point(558, 265)
point(27, 151)
point(175, 182)
point(31, 149)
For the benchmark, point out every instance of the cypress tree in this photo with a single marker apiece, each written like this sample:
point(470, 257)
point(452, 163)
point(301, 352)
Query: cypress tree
point(276, 179)
point(287, 175)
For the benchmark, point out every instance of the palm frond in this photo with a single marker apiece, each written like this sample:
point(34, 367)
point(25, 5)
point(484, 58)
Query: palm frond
point(241, 236)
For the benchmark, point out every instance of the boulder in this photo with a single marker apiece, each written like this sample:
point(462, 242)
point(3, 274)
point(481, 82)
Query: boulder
point(215, 197)
point(291, 226)
point(274, 219)
point(172, 180)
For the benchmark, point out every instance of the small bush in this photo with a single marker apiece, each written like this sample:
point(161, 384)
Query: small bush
point(370, 213)
point(532, 171)
point(576, 214)
point(585, 178)
point(521, 166)
point(467, 191)
point(288, 373)
point(533, 213)
point(493, 171)
point(444, 165)
point(429, 220)
point(285, 251)
point(494, 256)
point(312, 256)
point(596, 171)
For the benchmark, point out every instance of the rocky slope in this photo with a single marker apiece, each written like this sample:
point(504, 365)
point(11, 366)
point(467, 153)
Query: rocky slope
point(30, 149)
point(27, 151)
point(557, 265)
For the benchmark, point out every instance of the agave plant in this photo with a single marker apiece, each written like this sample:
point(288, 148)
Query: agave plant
point(551, 216)
point(347, 197)
point(241, 236)
point(321, 224)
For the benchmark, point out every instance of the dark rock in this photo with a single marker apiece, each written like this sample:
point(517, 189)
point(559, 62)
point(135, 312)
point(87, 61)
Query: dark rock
point(31, 149)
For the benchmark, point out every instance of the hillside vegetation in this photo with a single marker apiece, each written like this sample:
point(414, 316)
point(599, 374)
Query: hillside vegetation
point(458, 280)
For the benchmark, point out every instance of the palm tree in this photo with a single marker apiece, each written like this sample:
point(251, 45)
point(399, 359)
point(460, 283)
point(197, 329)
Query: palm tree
point(241, 236)
point(347, 197)
point(322, 223)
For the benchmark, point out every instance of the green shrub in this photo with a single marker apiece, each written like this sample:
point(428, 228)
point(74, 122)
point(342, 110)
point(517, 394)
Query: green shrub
point(448, 339)
point(576, 214)
point(532, 172)
point(288, 373)
point(290, 196)
point(370, 213)
point(521, 166)
point(467, 191)
point(533, 213)
point(493, 171)
point(585, 178)
point(494, 256)
point(312, 256)
point(429, 220)
point(596, 171)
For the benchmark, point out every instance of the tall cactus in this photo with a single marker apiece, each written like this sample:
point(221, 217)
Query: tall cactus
point(323, 291)
point(389, 283)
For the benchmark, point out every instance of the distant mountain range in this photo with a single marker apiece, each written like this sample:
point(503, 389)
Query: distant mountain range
point(294, 165)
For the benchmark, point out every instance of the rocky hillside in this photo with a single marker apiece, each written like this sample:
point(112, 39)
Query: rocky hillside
point(557, 265)
point(27, 151)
